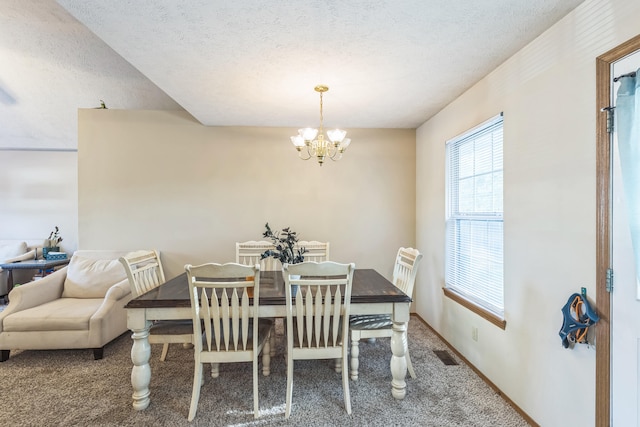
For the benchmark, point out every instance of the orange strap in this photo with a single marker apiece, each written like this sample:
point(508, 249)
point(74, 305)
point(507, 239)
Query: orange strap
point(576, 305)
point(581, 335)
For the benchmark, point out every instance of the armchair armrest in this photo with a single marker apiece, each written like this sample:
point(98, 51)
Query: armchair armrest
point(35, 293)
point(27, 255)
point(116, 293)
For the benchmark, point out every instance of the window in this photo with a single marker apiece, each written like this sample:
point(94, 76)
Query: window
point(474, 224)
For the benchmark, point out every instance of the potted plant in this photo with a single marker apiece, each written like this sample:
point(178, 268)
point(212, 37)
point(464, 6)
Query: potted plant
point(51, 243)
point(285, 243)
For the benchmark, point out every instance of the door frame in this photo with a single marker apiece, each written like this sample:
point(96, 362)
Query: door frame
point(603, 227)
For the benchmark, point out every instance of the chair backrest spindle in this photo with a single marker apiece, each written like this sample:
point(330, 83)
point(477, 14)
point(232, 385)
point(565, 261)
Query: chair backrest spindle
point(319, 299)
point(250, 252)
point(405, 269)
point(144, 270)
point(315, 251)
point(224, 299)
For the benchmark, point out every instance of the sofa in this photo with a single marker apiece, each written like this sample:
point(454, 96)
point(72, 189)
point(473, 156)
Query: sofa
point(17, 250)
point(80, 306)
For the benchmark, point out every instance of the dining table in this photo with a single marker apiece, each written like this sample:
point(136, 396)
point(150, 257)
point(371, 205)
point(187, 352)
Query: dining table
point(371, 293)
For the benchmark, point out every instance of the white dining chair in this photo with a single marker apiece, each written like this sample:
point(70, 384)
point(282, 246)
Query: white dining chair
point(318, 297)
point(225, 311)
point(144, 271)
point(250, 253)
point(315, 251)
point(380, 326)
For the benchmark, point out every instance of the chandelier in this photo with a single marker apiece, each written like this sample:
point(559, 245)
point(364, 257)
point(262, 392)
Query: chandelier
point(312, 143)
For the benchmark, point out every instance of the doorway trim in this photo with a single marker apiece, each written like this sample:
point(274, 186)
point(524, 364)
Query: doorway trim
point(603, 227)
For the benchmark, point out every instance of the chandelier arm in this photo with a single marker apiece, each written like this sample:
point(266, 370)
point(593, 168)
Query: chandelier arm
point(300, 155)
point(336, 156)
point(332, 151)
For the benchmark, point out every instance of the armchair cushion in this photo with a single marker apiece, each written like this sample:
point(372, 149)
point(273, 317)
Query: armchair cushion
point(91, 278)
point(64, 314)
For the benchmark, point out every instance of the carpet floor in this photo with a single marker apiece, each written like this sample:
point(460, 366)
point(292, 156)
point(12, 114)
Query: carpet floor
point(69, 388)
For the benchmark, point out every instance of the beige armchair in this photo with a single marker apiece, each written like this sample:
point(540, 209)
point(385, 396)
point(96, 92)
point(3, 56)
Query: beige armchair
point(78, 306)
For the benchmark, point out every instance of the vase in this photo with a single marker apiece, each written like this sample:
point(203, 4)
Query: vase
point(294, 288)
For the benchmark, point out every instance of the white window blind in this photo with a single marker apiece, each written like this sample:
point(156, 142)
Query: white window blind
point(474, 224)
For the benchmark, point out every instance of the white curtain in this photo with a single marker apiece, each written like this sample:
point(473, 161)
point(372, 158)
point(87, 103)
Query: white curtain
point(627, 113)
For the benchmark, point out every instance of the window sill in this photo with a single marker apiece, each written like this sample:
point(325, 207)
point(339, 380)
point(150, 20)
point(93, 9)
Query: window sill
point(480, 311)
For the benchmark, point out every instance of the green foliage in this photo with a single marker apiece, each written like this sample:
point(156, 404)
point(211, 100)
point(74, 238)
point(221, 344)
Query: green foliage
point(285, 243)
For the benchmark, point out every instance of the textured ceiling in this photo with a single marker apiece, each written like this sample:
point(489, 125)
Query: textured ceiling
point(51, 65)
point(388, 63)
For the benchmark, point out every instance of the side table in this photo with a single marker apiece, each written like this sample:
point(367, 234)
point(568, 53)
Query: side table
point(37, 264)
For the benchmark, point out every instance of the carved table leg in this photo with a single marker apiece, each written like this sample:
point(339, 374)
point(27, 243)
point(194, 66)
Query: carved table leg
point(140, 355)
point(399, 349)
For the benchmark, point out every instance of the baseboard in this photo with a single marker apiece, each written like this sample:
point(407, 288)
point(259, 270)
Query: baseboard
point(495, 388)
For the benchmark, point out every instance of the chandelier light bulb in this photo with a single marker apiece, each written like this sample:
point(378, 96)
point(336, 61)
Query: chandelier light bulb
point(298, 141)
point(308, 134)
point(336, 135)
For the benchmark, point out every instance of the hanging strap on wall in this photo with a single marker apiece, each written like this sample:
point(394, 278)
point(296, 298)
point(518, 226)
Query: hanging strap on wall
point(578, 316)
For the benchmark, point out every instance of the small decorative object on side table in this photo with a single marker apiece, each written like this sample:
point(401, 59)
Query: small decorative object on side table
point(51, 244)
point(52, 256)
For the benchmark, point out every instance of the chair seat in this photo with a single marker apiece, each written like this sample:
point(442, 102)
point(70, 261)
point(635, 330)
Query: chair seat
point(171, 327)
point(370, 321)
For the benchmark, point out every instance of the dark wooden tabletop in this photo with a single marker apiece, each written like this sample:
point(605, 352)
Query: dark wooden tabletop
point(32, 264)
point(369, 286)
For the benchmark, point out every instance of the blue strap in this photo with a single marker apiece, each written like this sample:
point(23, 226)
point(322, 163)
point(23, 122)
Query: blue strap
point(576, 320)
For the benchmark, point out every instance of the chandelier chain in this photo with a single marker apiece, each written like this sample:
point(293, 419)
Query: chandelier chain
point(321, 115)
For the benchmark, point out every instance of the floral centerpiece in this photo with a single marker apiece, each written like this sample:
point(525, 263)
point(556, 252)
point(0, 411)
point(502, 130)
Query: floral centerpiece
point(285, 243)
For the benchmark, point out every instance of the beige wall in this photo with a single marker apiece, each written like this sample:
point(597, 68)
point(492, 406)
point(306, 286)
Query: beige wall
point(151, 179)
point(139, 186)
point(39, 190)
point(547, 94)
